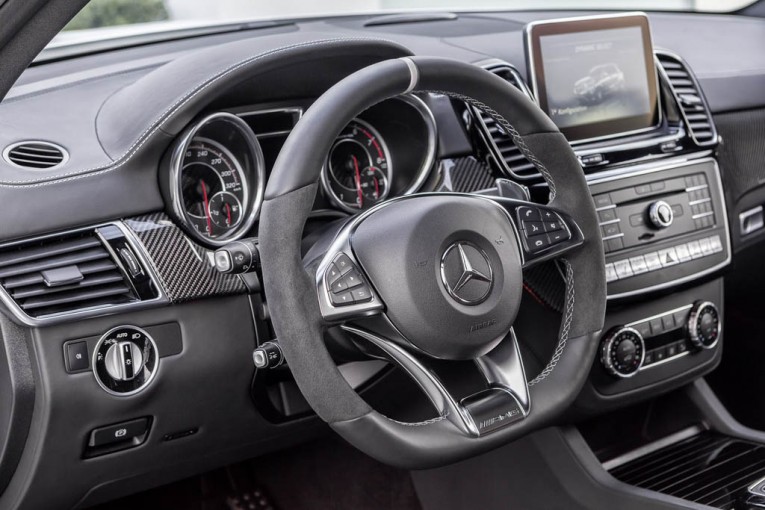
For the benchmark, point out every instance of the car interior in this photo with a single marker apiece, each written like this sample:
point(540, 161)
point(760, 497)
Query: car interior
point(416, 259)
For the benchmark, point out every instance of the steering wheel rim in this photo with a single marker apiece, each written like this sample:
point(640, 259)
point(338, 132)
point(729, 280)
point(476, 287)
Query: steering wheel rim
point(291, 288)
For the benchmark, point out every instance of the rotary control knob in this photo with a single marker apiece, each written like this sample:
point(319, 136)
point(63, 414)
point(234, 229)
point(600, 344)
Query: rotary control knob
point(125, 360)
point(622, 352)
point(661, 215)
point(704, 325)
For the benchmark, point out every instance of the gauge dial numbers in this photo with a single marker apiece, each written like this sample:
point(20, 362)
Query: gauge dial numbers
point(358, 169)
point(217, 173)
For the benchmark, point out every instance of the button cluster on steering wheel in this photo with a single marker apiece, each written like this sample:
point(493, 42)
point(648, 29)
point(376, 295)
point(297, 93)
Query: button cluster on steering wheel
point(542, 228)
point(345, 284)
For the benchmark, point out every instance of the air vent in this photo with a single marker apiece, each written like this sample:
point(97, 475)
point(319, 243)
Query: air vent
point(515, 163)
point(66, 274)
point(690, 98)
point(35, 155)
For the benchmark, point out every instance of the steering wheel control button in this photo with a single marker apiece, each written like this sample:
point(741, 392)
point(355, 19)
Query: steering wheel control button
point(528, 214)
point(533, 227)
point(541, 235)
point(362, 294)
point(704, 325)
point(125, 360)
point(622, 352)
point(342, 299)
point(345, 283)
point(77, 356)
point(466, 273)
point(343, 263)
point(661, 215)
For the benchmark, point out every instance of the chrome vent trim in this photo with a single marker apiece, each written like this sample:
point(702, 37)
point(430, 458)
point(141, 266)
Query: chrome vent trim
point(71, 275)
point(508, 156)
point(690, 98)
point(35, 155)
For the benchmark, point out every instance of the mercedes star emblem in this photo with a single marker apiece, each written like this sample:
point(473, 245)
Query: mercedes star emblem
point(466, 273)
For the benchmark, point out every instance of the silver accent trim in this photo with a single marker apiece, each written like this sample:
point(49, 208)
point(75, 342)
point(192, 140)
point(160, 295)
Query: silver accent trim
point(610, 222)
point(659, 315)
point(64, 155)
point(701, 201)
point(648, 169)
point(605, 208)
point(615, 236)
point(702, 215)
point(652, 447)
point(413, 72)
point(696, 188)
point(253, 198)
point(605, 349)
point(655, 217)
point(535, 86)
point(92, 311)
point(152, 375)
point(756, 225)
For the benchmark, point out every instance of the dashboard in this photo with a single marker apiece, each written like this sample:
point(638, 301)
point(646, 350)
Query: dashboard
point(141, 170)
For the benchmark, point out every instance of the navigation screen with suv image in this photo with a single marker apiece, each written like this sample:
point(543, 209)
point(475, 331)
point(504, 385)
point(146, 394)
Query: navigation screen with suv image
point(594, 77)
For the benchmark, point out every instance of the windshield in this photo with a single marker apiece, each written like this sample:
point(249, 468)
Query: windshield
point(102, 19)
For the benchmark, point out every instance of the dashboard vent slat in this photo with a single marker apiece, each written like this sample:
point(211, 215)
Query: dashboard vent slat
point(689, 98)
point(25, 275)
point(514, 162)
point(35, 155)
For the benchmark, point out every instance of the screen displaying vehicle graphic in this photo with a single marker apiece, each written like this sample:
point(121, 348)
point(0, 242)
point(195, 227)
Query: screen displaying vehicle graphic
point(595, 77)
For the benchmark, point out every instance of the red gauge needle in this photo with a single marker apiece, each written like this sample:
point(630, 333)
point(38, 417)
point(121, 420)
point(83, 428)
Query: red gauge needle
point(358, 182)
point(377, 189)
point(207, 207)
point(228, 213)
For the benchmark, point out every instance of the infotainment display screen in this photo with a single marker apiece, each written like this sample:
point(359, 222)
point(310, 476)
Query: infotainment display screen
point(595, 77)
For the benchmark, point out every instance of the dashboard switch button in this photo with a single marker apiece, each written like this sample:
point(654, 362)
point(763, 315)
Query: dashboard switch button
point(119, 433)
point(77, 356)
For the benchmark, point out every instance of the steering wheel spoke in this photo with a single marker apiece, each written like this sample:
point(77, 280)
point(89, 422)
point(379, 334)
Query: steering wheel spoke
point(544, 232)
point(505, 399)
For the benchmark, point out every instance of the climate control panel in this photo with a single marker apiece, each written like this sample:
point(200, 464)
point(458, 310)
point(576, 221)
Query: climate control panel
point(629, 349)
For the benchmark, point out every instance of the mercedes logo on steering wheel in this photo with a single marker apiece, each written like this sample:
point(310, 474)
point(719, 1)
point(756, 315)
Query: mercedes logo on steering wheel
point(466, 273)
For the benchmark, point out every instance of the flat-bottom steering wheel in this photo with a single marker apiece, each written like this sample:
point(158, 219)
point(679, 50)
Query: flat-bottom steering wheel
point(433, 275)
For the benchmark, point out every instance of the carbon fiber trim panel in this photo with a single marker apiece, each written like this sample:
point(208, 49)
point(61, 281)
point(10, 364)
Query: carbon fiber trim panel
point(466, 175)
point(181, 264)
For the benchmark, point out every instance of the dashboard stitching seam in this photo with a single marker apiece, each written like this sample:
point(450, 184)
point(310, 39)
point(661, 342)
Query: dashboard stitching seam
point(515, 135)
point(419, 423)
point(566, 327)
point(157, 124)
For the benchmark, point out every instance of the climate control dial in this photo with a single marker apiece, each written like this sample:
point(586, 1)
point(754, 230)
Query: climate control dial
point(704, 325)
point(125, 360)
point(622, 352)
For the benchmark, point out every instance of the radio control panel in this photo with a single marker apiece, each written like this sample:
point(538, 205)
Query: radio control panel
point(661, 226)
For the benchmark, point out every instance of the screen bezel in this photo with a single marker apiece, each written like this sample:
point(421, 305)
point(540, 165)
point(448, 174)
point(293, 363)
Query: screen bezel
point(605, 129)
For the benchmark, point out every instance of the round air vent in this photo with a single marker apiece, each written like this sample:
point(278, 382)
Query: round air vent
point(35, 155)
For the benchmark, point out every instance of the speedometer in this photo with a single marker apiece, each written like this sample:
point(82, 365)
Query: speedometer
point(217, 179)
point(213, 188)
point(357, 174)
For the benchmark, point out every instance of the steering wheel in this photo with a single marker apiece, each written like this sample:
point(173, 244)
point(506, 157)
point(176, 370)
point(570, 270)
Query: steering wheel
point(433, 276)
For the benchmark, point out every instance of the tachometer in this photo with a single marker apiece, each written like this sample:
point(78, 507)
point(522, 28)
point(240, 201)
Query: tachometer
point(357, 175)
point(217, 179)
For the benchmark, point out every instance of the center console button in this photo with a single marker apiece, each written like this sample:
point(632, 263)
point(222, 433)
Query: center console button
point(661, 215)
point(704, 325)
point(694, 248)
point(652, 261)
point(611, 273)
point(668, 257)
point(623, 268)
point(638, 265)
point(622, 352)
point(683, 254)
